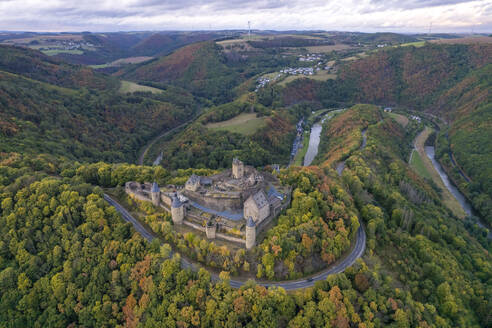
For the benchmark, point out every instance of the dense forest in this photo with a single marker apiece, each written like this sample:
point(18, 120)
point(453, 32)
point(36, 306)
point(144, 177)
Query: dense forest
point(121, 279)
point(448, 83)
point(207, 71)
point(67, 136)
point(44, 112)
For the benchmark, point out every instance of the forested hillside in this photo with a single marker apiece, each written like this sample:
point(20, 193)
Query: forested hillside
point(405, 219)
point(449, 82)
point(35, 65)
point(67, 136)
point(412, 77)
point(464, 148)
point(452, 82)
point(108, 47)
point(107, 275)
point(199, 67)
point(76, 121)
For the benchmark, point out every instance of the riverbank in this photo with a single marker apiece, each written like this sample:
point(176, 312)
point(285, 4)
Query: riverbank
point(427, 169)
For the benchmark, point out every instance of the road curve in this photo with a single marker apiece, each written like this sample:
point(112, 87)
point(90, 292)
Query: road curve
point(141, 157)
point(357, 252)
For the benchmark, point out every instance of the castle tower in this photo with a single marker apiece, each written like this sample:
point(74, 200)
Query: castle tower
point(211, 229)
point(177, 210)
point(237, 168)
point(193, 183)
point(250, 233)
point(155, 192)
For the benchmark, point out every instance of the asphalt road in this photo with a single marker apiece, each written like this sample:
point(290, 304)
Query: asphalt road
point(141, 157)
point(357, 252)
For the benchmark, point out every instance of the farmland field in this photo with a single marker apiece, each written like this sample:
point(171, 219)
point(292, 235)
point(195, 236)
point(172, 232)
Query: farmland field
point(327, 48)
point(415, 44)
point(124, 61)
point(418, 164)
point(53, 52)
point(320, 76)
point(402, 119)
point(467, 40)
point(246, 124)
point(127, 86)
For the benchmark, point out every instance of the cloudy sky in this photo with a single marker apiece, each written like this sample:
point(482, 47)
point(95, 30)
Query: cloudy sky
point(352, 15)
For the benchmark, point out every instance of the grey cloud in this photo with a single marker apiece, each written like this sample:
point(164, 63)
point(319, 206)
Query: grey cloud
point(414, 4)
point(177, 14)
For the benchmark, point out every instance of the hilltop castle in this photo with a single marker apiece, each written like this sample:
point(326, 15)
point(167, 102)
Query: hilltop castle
point(233, 205)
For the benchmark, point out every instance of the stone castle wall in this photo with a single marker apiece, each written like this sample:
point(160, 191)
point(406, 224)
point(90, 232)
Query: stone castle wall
point(216, 201)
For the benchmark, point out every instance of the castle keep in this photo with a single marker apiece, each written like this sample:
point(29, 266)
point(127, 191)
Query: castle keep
point(233, 205)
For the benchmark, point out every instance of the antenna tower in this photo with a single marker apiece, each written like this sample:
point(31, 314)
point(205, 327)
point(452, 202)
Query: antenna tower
point(249, 30)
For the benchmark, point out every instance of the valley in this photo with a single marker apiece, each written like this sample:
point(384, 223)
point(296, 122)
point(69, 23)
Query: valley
point(207, 178)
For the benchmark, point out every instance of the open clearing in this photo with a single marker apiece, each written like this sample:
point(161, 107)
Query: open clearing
point(127, 86)
point(447, 198)
point(299, 159)
point(467, 40)
point(417, 44)
point(53, 52)
point(124, 61)
point(328, 48)
point(43, 37)
point(355, 57)
point(246, 124)
point(323, 76)
point(418, 164)
point(401, 119)
point(320, 76)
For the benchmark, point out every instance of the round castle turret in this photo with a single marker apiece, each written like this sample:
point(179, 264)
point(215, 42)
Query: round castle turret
point(250, 233)
point(211, 229)
point(177, 210)
point(155, 193)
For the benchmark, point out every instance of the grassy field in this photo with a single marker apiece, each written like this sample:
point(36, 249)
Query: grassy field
point(61, 51)
point(320, 76)
point(401, 119)
point(425, 168)
point(417, 44)
point(418, 164)
point(246, 124)
point(466, 40)
point(356, 56)
point(323, 76)
point(127, 86)
point(327, 48)
point(123, 61)
point(299, 159)
point(289, 79)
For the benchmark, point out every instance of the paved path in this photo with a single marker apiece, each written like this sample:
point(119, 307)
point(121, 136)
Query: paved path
point(357, 252)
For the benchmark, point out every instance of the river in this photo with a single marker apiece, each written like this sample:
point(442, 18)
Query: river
point(315, 136)
point(430, 152)
point(314, 139)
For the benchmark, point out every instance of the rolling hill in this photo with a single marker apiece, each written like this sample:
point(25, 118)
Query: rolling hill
point(199, 67)
point(51, 107)
point(35, 65)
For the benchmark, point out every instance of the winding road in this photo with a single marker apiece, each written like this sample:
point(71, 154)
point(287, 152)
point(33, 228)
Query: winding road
point(141, 157)
point(340, 266)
